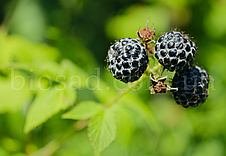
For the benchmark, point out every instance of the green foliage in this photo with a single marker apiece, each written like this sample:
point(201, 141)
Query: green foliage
point(102, 130)
point(51, 67)
point(21, 96)
point(85, 110)
point(48, 103)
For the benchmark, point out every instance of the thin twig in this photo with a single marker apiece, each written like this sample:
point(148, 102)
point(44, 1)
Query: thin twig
point(125, 91)
point(133, 85)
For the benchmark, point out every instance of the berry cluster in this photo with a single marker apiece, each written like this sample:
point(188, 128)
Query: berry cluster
point(128, 59)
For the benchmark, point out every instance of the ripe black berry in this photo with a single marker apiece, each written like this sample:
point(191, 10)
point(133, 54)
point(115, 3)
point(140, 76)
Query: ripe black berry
point(127, 59)
point(175, 51)
point(192, 84)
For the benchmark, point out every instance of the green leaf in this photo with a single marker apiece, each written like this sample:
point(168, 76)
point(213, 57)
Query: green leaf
point(48, 70)
point(47, 104)
point(14, 93)
point(28, 52)
point(83, 111)
point(105, 94)
point(102, 130)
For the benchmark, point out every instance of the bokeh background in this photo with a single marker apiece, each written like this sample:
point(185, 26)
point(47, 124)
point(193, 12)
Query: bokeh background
point(82, 31)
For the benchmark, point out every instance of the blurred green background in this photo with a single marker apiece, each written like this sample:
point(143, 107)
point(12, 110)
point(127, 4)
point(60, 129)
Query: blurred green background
point(36, 32)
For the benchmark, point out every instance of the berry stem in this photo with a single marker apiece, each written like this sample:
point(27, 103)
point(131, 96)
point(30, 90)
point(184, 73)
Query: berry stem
point(154, 69)
point(133, 85)
point(125, 91)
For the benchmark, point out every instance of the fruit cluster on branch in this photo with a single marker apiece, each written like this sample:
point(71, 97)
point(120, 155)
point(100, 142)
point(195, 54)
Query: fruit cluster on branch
point(128, 59)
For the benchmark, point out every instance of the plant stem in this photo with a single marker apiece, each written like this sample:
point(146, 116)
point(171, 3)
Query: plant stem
point(125, 91)
point(133, 85)
point(155, 68)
